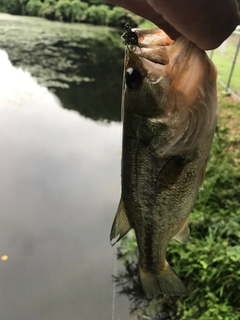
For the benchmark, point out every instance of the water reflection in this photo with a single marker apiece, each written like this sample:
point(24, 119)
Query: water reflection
point(59, 186)
point(129, 284)
point(82, 64)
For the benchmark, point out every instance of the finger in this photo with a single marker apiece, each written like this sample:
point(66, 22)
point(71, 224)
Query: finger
point(205, 22)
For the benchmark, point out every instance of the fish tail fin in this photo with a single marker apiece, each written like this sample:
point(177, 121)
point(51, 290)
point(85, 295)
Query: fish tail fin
point(165, 282)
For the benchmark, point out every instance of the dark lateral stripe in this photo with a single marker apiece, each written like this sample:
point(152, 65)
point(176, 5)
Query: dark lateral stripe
point(147, 245)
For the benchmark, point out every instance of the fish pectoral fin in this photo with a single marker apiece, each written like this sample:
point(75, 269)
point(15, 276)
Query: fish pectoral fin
point(183, 235)
point(121, 225)
point(165, 282)
point(169, 173)
point(153, 133)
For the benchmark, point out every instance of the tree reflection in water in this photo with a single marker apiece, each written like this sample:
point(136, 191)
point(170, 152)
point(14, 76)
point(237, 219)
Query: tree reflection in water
point(81, 64)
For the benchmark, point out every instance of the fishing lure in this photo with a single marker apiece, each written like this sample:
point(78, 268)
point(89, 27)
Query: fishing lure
point(129, 37)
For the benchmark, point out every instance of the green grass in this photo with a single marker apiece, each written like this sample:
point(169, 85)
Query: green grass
point(224, 64)
point(229, 117)
point(223, 59)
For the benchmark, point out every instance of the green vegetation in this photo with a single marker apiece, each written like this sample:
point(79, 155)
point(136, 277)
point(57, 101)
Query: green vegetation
point(97, 14)
point(87, 11)
point(33, 7)
point(73, 11)
point(223, 58)
point(209, 264)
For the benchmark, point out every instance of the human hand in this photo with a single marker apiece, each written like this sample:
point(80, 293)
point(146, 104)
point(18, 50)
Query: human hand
point(207, 23)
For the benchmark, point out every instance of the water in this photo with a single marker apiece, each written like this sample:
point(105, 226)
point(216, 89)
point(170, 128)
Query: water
point(59, 169)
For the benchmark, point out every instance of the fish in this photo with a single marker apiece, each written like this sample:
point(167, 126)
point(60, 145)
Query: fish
point(170, 113)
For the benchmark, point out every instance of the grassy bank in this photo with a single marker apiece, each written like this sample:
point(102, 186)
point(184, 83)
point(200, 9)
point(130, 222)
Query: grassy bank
point(223, 58)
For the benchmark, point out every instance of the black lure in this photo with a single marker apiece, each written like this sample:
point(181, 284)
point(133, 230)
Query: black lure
point(129, 37)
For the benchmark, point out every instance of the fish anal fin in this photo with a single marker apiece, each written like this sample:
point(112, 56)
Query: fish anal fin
point(165, 282)
point(121, 225)
point(184, 233)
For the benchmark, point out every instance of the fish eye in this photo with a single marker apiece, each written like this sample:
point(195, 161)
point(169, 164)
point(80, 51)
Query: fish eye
point(133, 78)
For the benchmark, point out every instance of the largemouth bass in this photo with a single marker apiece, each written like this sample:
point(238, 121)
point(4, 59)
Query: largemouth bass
point(170, 115)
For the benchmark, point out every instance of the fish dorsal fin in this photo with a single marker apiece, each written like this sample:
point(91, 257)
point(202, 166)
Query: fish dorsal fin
point(183, 235)
point(121, 225)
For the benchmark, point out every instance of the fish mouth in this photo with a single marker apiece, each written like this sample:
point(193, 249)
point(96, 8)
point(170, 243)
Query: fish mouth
point(149, 44)
point(156, 56)
point(147, 54)
point(152, 38)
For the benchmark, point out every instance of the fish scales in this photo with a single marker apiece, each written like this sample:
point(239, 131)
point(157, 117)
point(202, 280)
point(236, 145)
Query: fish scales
point(170, 114)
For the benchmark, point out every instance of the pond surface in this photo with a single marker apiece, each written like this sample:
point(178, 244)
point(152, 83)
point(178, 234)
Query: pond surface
point(60, 144)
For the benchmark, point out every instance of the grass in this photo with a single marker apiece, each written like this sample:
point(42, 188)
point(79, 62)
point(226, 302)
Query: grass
point(229, 117)
point(223, 59)
point(224, 66)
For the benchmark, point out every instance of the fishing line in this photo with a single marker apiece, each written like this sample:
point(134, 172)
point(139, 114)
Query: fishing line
point(123, 85)
point(114, 284)
point(115, 246)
